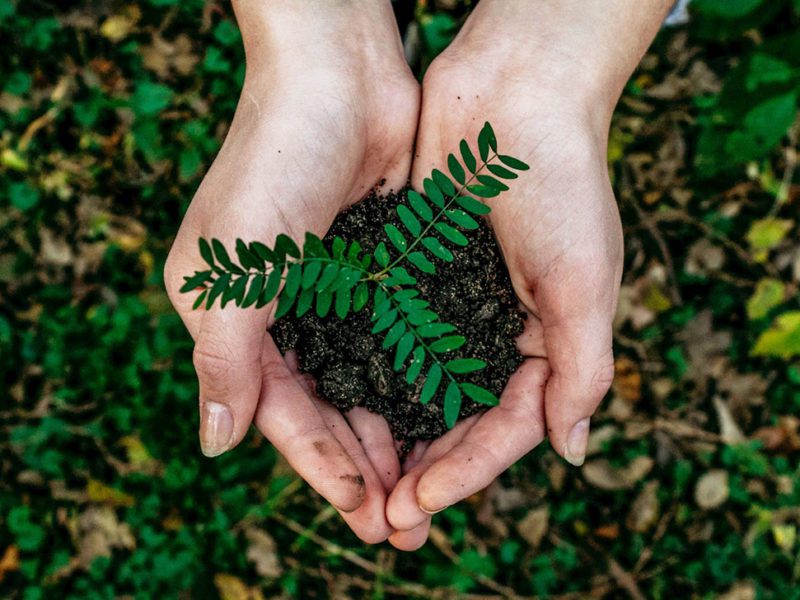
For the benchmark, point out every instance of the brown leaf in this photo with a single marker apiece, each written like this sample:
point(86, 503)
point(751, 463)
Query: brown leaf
point(743, 590)
point(627, 379)
point(712, 489)
point(601, 474)
point(262, 552)
point(99, 531)
point(533, 527)
point(645, 509)
point(609, 532)
point(10, 561)
point(231, 587)
point(783, 437)
point(105, 494)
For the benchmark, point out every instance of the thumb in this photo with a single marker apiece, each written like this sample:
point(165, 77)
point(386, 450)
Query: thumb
point(579, 352)
point(227, 358)
point(227, 355)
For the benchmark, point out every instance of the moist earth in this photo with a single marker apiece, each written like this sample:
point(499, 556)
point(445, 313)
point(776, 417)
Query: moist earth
point(473, 292)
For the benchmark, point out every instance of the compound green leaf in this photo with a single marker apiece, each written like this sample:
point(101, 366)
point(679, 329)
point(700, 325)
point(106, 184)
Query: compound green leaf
point(271, 289)
point(310, 273)
point(462, 219)
point(419, 260)
point(422, 317)
point(501, 172)
point(396, 331)
point(195, 281)
point(451, 234)
point(493, 183)
point(285, 303)
point(324, 302)
point(222, 256)
point(219, 286)
point(456, 170)
point(385, 321)
point(435, 329)
point(464, 365)
point(285, 246)
point(432, 381)
point(360, 296)
point(404, 347)
point(255, 289)
point(199, 300)
point(433, 192)
point(381, 255)
point(408, 219)
point(483, 191)
point(205, 252)
point(415, 367)
point(479, 394)
point(452, 404)
point(304, 302)
point(343, 300)
point(443, 182)
point(328, 277)
point(448, 344)
point(420, 206)
point(472, 205)
point(436, 248)
point(293, 278)
point(468, 157)
point(246, 258)
point(263, 252)
point(397, 239)
point(513, 163)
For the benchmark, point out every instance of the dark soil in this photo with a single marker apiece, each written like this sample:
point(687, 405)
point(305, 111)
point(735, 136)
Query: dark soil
point(473, 293)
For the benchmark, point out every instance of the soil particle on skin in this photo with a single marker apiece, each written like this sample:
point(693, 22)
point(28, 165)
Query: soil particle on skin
point(473, 292)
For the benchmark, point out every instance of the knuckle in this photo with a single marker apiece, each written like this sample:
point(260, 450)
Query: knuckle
point(603, 375)
point(215, 364)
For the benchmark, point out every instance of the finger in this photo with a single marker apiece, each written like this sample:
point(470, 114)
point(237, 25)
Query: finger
point(368, 521)
point(289, 419)
point(413, 539)
point(226, 356)
point(416, 455)
point(499, 438)
point(578, 344)
point(402, 508)
point(530, 342)
point(373, 433)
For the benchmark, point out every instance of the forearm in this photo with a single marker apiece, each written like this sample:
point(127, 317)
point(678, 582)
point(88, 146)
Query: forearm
point(586, 47)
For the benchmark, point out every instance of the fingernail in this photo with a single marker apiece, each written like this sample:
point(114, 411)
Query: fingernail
point(575, 448)
point(216, 428)
point(432, 512)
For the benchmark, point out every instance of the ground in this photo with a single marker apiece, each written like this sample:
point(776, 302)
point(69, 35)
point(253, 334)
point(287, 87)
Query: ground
point(110, 114)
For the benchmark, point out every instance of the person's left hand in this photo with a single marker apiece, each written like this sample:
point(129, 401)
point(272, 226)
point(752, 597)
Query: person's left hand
point(560, 233)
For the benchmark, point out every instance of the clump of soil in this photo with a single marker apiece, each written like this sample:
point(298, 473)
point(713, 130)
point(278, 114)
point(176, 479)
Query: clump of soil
point(473, 292)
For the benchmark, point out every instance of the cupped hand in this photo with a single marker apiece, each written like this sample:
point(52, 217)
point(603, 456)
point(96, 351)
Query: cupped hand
point(328, 109)
point(560, 232)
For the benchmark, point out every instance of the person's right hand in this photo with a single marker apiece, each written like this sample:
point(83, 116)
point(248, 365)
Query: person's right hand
point(328, 108)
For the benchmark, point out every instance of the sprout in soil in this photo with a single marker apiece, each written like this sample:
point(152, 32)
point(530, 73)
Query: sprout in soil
point(343, 278)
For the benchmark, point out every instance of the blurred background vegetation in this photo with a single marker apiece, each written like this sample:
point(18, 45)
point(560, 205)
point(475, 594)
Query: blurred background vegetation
point(111, 112)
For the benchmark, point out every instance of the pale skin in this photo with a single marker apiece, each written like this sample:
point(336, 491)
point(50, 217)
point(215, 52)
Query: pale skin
point(328, 109)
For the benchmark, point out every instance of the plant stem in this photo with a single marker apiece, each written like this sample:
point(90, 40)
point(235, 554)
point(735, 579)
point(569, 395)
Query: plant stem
point(436, 218)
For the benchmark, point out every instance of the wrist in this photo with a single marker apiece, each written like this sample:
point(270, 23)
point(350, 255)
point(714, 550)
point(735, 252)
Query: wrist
point(581, 50)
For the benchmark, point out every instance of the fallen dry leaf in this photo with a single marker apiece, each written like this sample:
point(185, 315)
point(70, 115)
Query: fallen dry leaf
point(729, 430)
point(533, 527)
point(783, 437)
point(627, 379)
point(712, 489)
point(99, 531)
point(601, 474)
point(231, 587)
point(743, 590)
point(10, 561)
point(262, 552)
point(99, 492)
point(645, 509)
